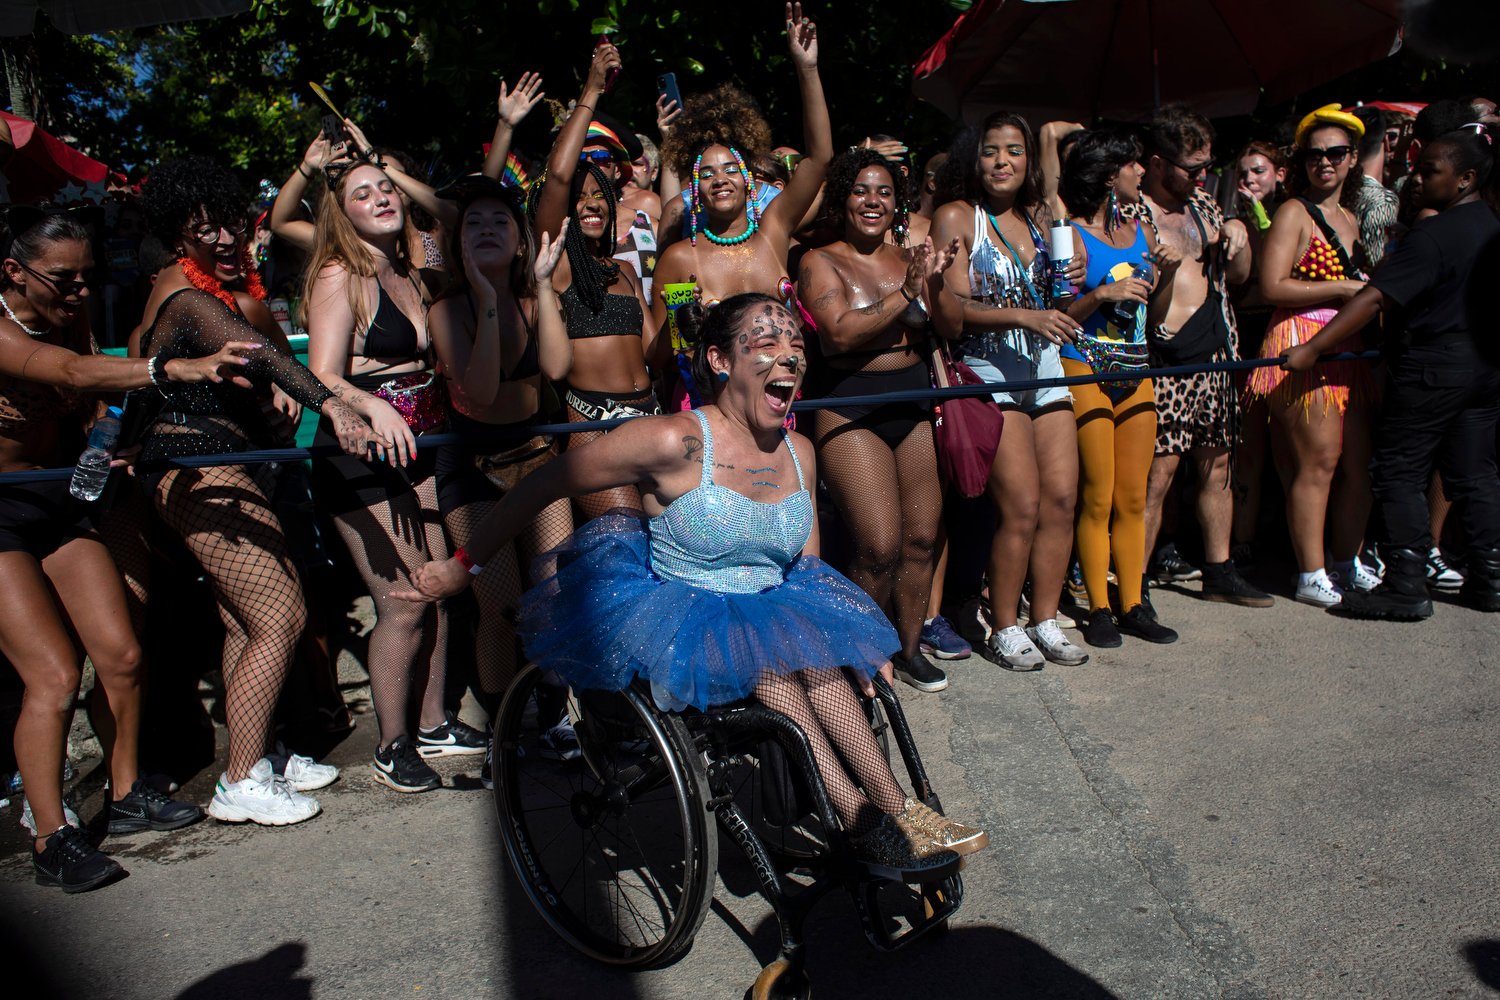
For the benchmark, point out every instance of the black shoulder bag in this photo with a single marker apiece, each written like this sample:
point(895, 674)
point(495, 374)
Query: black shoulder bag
point(1206, 332)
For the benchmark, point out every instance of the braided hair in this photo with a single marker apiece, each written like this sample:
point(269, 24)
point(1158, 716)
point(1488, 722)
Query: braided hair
point(593, 268)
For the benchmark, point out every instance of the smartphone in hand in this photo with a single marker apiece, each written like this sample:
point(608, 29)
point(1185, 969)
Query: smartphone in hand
point(666, 86)
point(337, 135)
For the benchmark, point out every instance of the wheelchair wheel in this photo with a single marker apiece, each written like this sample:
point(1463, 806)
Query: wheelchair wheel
point(614, 848)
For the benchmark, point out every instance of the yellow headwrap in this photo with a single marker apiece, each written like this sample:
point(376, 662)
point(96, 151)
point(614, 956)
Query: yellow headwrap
point(1329, 114)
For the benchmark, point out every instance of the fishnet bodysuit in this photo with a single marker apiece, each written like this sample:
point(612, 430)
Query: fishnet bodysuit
point(894, 531)
point(223, 513)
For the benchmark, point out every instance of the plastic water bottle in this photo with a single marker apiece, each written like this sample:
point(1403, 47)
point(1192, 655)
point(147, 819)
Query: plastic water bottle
point(1123, 314)
point(92, 470)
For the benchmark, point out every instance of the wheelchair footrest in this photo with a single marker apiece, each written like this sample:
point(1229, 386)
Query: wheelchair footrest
point(896, 914)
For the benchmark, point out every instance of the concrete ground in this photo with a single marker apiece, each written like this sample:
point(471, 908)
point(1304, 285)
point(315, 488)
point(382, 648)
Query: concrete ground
point(1283, 804)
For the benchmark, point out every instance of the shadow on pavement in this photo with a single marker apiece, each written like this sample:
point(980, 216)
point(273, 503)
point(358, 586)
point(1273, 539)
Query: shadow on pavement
point(1484, 958)
point(273, 976)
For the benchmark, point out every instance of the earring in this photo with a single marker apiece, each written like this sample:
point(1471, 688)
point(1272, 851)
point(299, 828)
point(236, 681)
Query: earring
point(1112, 221)
point(723, 376)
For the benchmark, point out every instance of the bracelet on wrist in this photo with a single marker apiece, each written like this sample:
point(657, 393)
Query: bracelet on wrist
point(305, 175)
point(464, 560)
point(907, 295)
point(156, 371)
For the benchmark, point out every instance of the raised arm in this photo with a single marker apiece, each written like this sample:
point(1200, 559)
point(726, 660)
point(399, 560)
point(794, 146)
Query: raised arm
point(285, 211)
point(512, 107)
point(1051, 163)
point(785, 214)
point(421, 194)
point(562, 162)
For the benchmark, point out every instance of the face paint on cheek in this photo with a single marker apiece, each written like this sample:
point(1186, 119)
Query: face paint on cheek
point(762, 362)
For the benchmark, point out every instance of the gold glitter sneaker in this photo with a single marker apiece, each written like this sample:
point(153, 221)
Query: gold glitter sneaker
point(892, 848)
point(922, 821)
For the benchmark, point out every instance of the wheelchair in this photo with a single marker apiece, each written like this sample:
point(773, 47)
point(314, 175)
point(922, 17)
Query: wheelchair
point(618, 849)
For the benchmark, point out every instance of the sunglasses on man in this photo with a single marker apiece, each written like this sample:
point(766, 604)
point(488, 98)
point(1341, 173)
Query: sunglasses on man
point(1197, 170)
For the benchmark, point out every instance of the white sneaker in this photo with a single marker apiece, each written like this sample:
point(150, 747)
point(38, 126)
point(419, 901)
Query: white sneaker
point(1014, 650)
point(1440, 575)
point(1322, 592)
point(29, 821)
point(264, 797)
point(1055, 646)
point(305, 774)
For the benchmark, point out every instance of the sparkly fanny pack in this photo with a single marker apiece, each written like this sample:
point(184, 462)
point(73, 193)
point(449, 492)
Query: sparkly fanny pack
point(507, 468)
point(1110, 358)
point(419, 397)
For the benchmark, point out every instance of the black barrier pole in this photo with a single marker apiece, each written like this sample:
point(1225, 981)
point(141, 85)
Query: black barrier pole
point(935, 393)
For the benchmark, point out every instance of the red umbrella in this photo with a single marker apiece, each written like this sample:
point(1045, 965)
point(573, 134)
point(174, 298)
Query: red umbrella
point(1118, 59)
point(42, 163)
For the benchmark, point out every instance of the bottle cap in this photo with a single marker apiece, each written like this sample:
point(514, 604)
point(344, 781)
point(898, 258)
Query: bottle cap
point(115, 411)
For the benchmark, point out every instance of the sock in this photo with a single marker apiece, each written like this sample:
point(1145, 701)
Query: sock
point(928, 621)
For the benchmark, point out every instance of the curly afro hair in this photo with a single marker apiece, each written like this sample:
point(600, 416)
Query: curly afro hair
point(844, 171)
point(725, 116)
point(178, 190)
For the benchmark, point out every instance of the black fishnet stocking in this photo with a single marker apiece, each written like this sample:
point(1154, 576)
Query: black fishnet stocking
point(597, 504)
point(226, 521)
point(892, 502)
point(497, 590)
point(550, 529)
point(824, 705)
point(409, 644)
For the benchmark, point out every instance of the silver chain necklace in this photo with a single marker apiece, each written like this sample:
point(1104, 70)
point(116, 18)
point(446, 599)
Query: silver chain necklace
point(12, 314)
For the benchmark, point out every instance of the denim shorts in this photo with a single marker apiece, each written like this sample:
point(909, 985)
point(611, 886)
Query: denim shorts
point(1017, 356)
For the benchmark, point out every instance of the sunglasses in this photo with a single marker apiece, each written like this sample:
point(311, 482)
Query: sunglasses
point(790, 161)
point(1333, 154)
point(596, 155)
point(64, 287)
point(1194, 172)
point(208, 233)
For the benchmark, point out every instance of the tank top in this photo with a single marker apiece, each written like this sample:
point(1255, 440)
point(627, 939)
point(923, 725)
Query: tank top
point(620, 316)
point(996, 279)
point(717, 539)
point(1107, 265)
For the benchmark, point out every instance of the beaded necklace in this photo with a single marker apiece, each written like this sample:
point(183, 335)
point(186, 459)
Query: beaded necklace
point(205, 282)
point(12, 314)
point(751, 212)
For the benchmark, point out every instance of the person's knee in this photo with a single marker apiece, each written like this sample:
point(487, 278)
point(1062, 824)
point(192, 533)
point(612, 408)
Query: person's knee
point(280, 623)
point(52, 685)
point(119, 663)
point(879, 553)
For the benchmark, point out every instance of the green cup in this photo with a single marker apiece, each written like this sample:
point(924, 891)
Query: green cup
point(677, 294)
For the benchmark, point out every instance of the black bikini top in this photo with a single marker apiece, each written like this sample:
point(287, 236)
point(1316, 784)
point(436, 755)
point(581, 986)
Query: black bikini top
point(528, 366)
point(620, 316)
point(391, 334)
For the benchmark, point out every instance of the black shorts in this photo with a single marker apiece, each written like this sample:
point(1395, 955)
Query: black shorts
point(891, 422)
point(41, 518)
point(459, 481)
point(345, 484)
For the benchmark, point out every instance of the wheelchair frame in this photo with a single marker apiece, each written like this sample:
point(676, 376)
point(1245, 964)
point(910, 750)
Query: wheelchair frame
point(631, 751)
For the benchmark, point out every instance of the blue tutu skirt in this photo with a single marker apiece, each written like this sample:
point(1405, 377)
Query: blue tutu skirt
point(602, 618)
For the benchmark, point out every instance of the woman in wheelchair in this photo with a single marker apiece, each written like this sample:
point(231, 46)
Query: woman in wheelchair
point(720, 594)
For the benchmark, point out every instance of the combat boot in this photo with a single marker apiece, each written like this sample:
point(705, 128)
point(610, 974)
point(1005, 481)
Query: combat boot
point(1401, 597)
point(1482, 585)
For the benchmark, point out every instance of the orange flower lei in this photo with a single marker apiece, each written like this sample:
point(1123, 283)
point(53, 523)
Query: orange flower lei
point(208, 283)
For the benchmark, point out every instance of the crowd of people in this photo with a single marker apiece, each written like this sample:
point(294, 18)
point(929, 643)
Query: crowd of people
point(704, 280)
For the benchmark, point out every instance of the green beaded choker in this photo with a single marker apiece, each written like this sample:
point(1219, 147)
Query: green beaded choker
point(729, 241)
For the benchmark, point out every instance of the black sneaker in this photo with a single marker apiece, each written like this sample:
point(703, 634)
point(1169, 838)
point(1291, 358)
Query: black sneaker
point(1223, 583)
point(1146, 596)
point(1099, 630)
point(1243, 557)
point(1172, 568)
point(452, 739)
point(70, 862)
point(399, 767)
point(919, 672)
point(972, 622)
point(145, 808)
point(1139, 624)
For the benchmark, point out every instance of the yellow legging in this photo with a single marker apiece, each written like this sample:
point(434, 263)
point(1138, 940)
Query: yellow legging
point(1116, 441)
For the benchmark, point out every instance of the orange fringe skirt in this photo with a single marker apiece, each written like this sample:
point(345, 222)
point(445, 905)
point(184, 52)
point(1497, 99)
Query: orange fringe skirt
point(1331, 384)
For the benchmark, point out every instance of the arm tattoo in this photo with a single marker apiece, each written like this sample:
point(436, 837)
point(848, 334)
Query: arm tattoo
point(489, 313)
point(826, 299)
point(878, 309)
point(691, 446)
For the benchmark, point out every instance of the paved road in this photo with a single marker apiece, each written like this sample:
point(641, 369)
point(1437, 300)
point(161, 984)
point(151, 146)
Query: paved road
point(1282, 805)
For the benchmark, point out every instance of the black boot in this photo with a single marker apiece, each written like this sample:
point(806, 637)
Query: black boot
point(1482, 584)
point(1401, 597)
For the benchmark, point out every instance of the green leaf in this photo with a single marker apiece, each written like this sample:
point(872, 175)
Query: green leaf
point(604, 26)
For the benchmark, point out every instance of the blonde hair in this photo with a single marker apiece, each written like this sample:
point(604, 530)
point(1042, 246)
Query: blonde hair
point(336, 241)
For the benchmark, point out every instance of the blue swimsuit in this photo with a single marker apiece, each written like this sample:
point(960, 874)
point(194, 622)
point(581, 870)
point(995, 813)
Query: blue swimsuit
point(699, 600)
